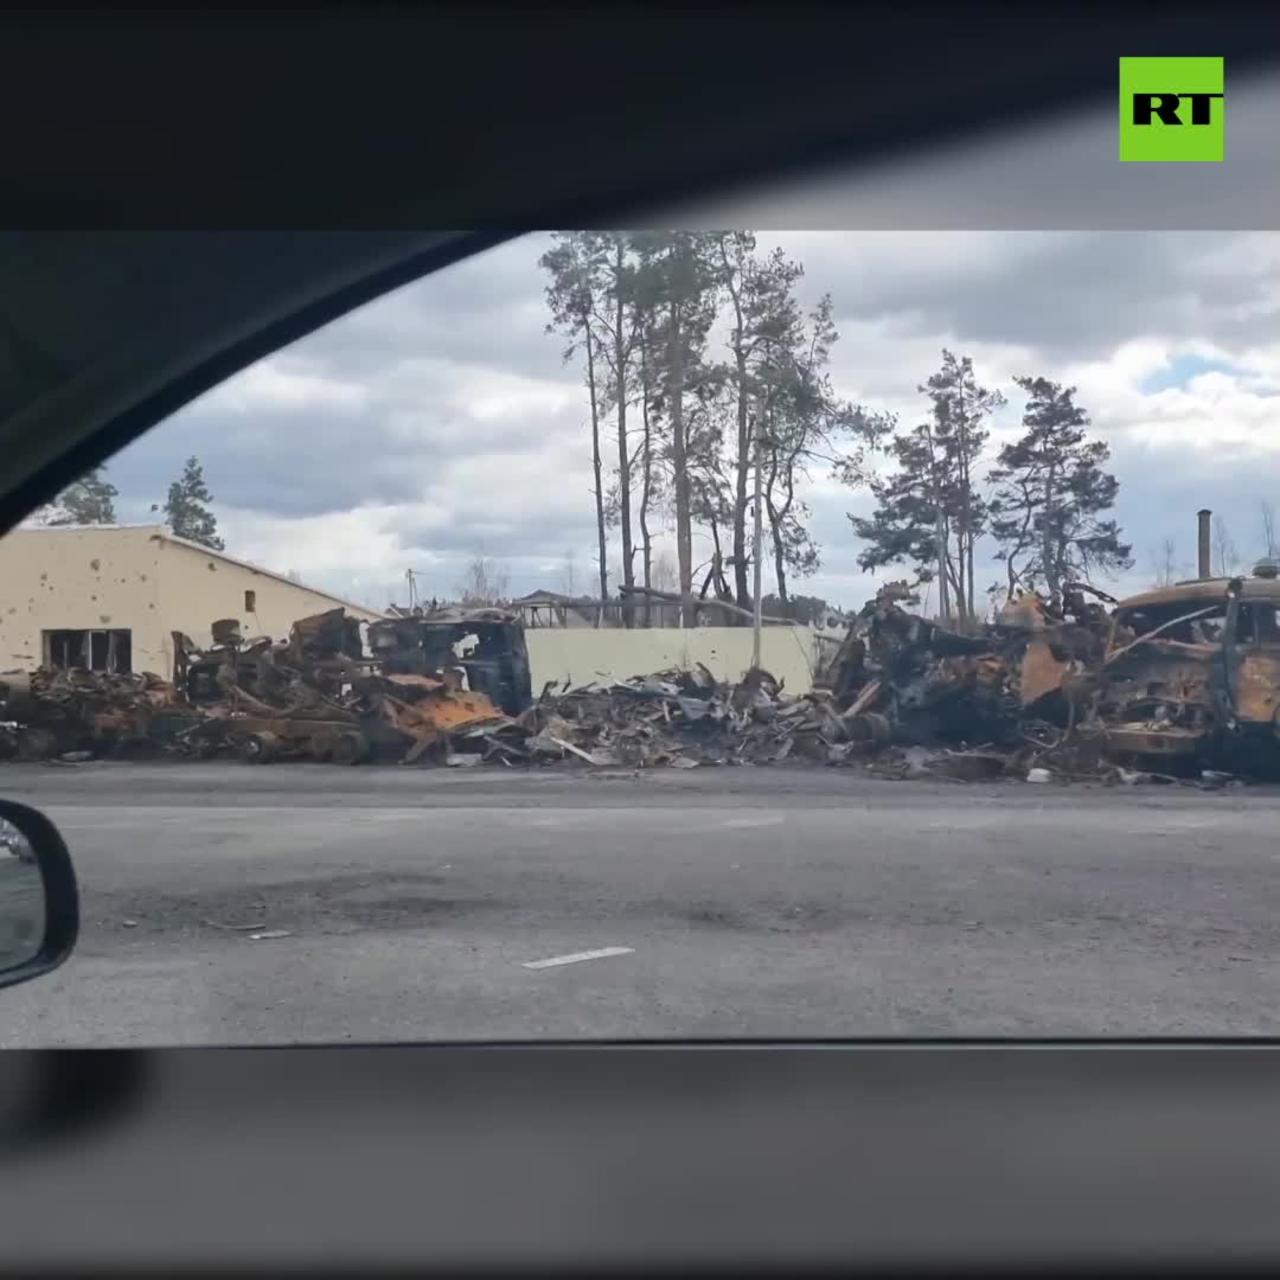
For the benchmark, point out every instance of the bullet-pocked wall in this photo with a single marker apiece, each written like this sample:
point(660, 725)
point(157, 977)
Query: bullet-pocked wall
point(141, 580)
point(580, 656)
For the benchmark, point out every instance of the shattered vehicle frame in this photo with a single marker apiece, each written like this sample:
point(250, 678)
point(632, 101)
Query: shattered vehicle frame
point(901, 677)
point(486, 645)
point(1192, 672)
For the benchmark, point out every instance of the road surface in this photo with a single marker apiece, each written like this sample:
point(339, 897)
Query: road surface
point(729, 903)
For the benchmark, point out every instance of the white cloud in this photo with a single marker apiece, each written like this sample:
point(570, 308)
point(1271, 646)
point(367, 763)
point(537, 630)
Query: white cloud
point(271, 385)
point(441, 422)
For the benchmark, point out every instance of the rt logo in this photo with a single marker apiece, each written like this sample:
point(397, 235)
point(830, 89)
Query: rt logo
point(1172, 109)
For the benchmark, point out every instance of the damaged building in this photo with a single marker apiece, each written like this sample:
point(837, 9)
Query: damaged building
point(108, 598)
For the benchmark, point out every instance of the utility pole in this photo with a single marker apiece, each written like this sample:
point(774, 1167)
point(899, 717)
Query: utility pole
point(757, 538)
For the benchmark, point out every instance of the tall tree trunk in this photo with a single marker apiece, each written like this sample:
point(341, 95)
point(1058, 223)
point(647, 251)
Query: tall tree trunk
point(742, 473)
point(779, 554)
point(969, 558)
point(595, 463)
point(777, 520)
point(646, 482)
point(965, 548)
point(679, 461)
point(1046, 539)
point(620, 361)
point(742, 465)
point(940, 551)
point(940, 536)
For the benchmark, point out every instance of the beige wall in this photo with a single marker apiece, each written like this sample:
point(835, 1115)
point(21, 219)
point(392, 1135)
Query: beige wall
point(583, 656)
point(52, 579)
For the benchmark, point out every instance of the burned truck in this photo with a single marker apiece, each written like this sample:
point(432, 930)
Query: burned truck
point(1192, 672)
point(426, 682)
point(902, 678)
point(486, 646)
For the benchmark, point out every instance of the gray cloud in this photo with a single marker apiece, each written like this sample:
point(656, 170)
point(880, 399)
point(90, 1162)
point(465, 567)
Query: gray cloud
point(445, 414)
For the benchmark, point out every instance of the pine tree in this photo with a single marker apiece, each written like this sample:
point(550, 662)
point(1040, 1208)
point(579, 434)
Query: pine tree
point(90, 500)
point(1050, 495)
point(929, 511)
point(187, 511)
point(677, 283)
point(576, 265)
point(908, 525)
point(960, 410)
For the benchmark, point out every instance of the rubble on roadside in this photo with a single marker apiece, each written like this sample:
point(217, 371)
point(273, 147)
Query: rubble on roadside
point(1045, 694)
point(50, 714)
point(680, 719)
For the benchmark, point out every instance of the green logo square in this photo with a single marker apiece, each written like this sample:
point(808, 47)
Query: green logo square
point(1172, 109)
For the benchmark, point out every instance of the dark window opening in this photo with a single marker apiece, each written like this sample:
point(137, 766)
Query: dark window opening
point(1204, 628)
point(90, 650)
point(1258, 624)
point(251, 602)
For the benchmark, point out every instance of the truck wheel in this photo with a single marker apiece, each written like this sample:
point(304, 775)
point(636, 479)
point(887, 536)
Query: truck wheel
point(258, 748)
point(36, 744)
point(350, 748)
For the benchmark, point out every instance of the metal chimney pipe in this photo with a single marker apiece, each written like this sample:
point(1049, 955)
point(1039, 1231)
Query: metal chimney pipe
point(1204, 515)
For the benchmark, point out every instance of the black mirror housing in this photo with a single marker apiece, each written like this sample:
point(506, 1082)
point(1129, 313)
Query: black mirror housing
point(61, 896)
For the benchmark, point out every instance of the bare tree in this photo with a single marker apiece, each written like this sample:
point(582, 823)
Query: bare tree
point(568, 574)
point(1225, 557)
point(485, 582)
point(1270, 545)
point(1164, 563)
point(677, 282)
point(575, 265)
point(665, 576)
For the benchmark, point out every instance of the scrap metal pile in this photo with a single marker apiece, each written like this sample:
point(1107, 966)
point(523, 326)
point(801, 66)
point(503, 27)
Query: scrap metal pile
point(318, 697)
point(1180, 681)
point(78, 713)
point(313, 696)
point(677, 718)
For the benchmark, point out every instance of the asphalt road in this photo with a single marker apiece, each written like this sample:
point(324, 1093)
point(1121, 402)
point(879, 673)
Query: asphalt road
point(750, 903)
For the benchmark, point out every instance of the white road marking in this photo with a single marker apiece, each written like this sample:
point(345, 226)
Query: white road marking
point(579, 955)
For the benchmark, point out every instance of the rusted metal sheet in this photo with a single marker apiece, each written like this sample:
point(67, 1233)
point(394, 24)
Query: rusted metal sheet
point(1258, 688)
point(1040, 673)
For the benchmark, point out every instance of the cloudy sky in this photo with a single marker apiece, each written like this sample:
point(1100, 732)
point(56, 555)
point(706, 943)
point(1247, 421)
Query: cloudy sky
point(440, 422)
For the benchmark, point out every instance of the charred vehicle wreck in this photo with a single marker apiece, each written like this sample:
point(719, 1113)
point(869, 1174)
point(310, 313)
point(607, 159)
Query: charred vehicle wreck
point(1192, 673)
point(319, 696)
point(487, 646)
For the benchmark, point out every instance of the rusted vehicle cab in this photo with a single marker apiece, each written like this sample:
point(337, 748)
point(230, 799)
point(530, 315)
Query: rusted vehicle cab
point(1193, 670)
point(488, 645)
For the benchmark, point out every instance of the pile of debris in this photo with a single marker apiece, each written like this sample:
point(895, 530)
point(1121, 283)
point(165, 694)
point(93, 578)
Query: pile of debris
point(681, 719)
point(318, 697)
point(73, 713)
point(900, 678)
point(1179, 682)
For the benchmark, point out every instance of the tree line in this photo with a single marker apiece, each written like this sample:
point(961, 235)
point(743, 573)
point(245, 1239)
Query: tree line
point(91, 500)
point(700, 366)
point(701, 369)
point(1042, 502)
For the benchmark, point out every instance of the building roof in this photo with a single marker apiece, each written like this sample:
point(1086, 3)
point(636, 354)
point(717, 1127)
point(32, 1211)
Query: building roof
point(540, 597)
point(162, 533)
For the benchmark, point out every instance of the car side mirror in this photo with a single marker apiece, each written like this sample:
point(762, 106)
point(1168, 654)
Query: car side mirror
point(39, 902)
